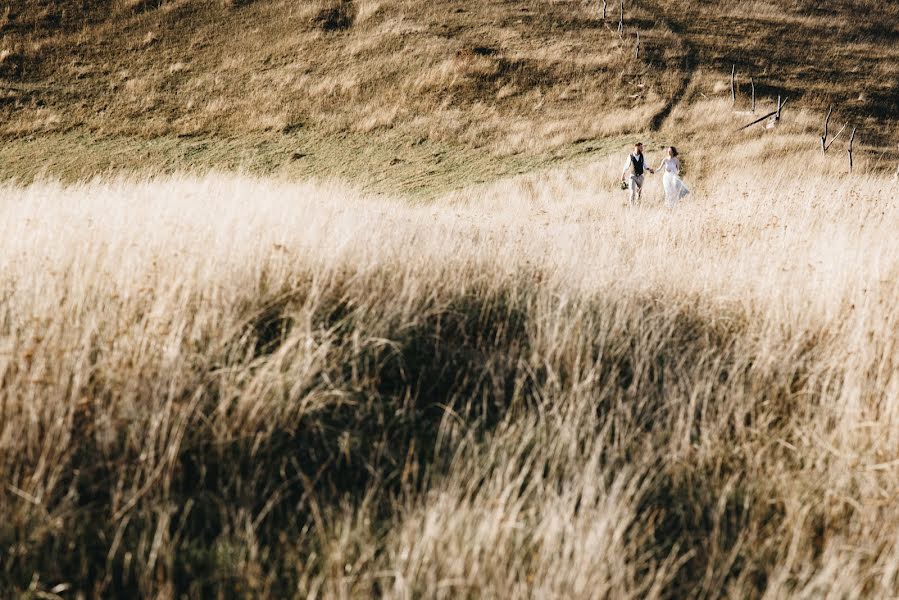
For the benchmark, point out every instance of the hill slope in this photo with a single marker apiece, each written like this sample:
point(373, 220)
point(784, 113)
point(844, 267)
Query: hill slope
point(465, 71)
point(416, 82)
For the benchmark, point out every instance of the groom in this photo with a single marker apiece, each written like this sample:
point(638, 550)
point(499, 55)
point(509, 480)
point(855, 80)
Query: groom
point(635, 166)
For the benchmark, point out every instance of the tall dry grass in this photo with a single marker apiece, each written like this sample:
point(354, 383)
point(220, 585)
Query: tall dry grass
point(232, 387)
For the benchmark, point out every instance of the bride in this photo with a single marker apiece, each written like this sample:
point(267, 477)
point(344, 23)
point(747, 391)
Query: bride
point(674, 186)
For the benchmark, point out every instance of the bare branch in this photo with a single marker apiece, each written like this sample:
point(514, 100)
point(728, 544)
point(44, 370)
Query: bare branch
point(830, 143)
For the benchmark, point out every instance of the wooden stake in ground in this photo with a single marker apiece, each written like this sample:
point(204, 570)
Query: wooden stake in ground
point(621, 20)
point(752, 84)
point(851, 142)
point(826, 126)
point(780, 107)
point(605, 8)
point(733, 85)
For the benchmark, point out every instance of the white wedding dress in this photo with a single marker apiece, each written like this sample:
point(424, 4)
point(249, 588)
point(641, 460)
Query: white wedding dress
point(675, 189)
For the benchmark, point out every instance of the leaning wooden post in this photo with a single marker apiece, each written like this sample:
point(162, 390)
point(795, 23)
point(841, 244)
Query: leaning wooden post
point(780, 107)
point(605, 8)
point(851, 142)
point(826, 126)
point(752, 84)
point(733, 85)
point(759, 120)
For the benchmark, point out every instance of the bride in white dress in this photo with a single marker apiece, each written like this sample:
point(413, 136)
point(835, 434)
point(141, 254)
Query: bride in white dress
point(675, 190)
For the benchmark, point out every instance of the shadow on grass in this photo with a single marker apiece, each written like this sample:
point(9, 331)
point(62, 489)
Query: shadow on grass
point(234, 515)
point(380, 433)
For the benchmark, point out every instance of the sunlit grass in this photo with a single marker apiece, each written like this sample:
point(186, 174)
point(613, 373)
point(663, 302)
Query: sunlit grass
point(242, 387)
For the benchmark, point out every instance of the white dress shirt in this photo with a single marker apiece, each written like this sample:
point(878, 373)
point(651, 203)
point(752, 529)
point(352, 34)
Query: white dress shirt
point(629, 165)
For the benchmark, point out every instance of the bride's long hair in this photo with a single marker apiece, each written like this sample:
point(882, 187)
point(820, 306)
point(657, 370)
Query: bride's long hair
point(681, 168)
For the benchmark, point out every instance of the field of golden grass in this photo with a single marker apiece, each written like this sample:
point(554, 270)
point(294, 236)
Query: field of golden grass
point(337, 299)
point(223, 386)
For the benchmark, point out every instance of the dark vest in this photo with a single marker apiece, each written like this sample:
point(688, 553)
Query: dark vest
point(637, 164)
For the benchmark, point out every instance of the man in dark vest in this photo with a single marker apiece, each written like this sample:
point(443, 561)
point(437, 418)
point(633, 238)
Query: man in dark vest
point(633, 172)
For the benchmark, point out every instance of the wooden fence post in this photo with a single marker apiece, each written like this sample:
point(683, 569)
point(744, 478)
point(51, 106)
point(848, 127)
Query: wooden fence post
point(605, 8)
point(621, 20)
point(826, 126)
point(733, 86)
point(752, 84)
point(851, 142)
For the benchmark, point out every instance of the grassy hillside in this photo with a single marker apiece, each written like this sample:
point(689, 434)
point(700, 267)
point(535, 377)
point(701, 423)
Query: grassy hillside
point(422, 86)
point(521, 391)
point(464, 71)
point(840, 52)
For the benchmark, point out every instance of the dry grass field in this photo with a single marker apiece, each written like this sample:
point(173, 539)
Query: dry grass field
point(338, 299)
point(520, 390)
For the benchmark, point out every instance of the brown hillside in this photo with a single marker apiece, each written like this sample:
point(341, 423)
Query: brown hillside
point(472, 72)
point(510, 78)
point(844, 52)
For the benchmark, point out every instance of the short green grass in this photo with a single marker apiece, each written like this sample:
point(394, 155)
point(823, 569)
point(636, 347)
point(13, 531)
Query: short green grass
point(384, 164)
